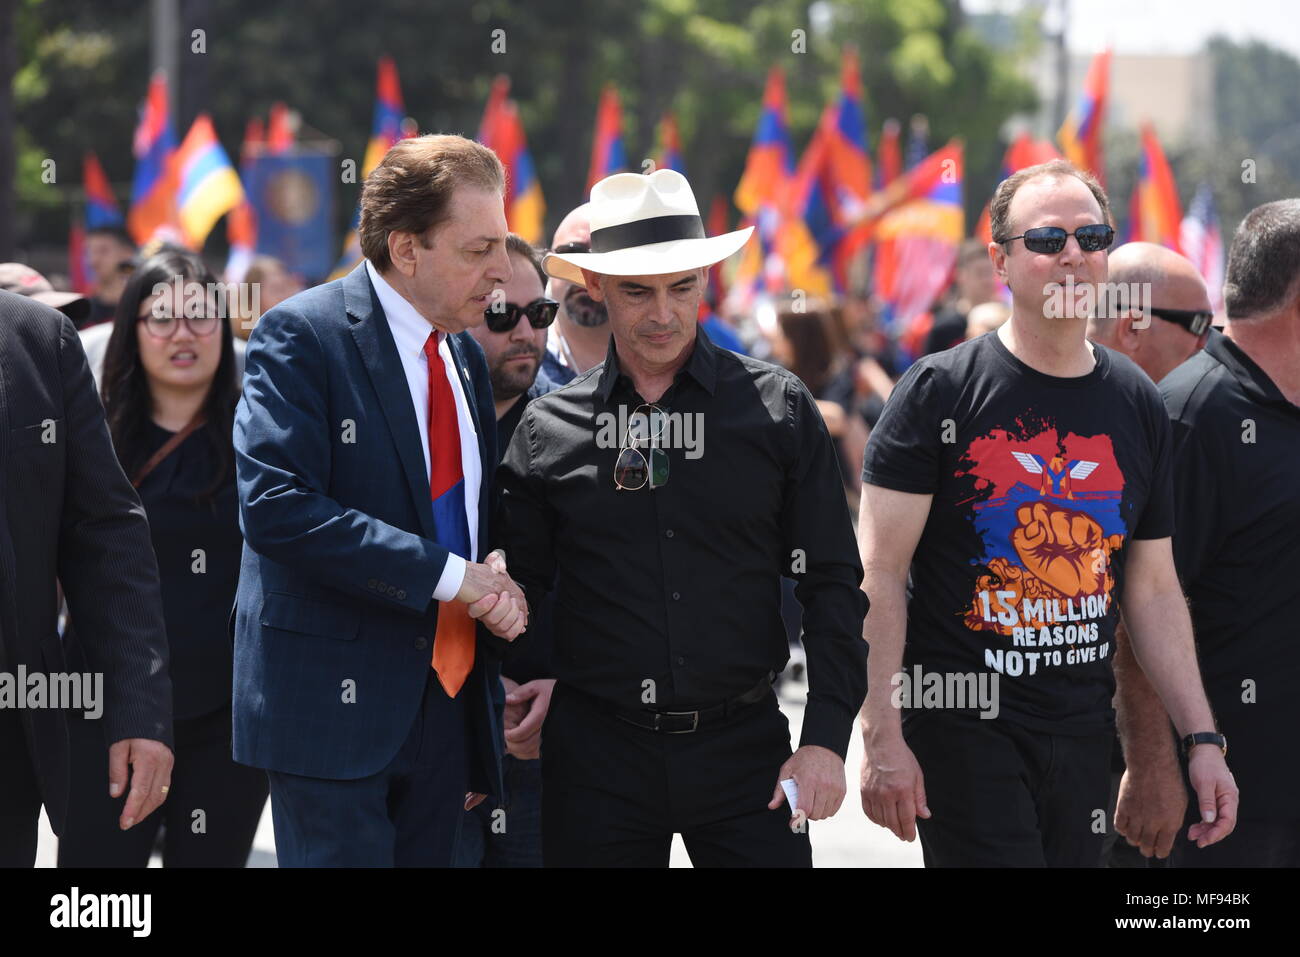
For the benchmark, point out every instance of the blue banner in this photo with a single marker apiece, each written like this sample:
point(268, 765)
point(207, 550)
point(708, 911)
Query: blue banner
point(292, 195)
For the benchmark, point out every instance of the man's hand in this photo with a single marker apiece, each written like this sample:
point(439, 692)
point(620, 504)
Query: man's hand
point(1216, 795)
point(524, 735)
point(893, 788)
point(493, 597)
point(1151, 808)
point(150, 776)
point(819, 773)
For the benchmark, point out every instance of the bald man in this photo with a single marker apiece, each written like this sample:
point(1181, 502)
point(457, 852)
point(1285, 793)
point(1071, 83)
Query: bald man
point(1180, 311)
point(579, 339)
point(1149, 803)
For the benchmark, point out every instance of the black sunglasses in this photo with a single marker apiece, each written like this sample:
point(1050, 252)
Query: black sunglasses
point(501, 317)
point(1049, 240)
point(1193, 320)
point(633, 470)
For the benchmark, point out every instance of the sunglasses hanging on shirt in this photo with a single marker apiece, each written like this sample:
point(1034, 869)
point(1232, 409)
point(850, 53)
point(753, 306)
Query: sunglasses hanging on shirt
point(634, 470)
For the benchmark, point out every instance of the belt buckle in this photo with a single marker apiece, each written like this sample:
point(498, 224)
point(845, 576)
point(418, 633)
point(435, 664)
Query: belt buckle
point(695, 721)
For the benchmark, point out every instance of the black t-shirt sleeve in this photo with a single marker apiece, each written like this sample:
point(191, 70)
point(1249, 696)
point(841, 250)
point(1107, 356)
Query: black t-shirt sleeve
point(904, 449)
point(1157, 519)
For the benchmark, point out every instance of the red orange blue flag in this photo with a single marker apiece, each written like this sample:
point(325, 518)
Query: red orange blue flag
point(502, 131)
point(607, 153)
point(1154, 212)
point(670, 145)
point(153, 189)
point(386, 129)
point(1080, 134)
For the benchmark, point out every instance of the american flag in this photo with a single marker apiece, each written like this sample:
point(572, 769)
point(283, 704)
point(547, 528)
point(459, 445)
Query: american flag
point(1202, 243)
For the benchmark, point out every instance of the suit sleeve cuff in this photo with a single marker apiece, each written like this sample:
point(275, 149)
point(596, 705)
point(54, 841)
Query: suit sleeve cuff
point(828, 725)
point(453, 576)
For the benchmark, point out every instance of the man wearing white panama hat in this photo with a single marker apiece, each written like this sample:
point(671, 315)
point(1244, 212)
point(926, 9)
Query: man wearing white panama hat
point(667, 622)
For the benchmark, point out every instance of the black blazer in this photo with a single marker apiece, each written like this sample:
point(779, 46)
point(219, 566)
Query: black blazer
point(70, 513)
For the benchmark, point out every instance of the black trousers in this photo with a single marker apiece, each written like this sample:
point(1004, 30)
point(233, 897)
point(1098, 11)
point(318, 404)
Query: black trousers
point(1002, 795)
point(20, 796)
point(230, 797)
point(613, 794)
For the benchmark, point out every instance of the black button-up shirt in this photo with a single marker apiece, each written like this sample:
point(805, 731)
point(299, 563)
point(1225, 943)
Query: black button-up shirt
point(1237, 548)
point(670, 598)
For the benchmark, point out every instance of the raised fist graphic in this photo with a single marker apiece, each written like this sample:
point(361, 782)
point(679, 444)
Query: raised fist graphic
point(1063, 547)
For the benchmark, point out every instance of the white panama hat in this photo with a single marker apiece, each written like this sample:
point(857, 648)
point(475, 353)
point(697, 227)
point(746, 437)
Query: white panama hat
point(645, 225)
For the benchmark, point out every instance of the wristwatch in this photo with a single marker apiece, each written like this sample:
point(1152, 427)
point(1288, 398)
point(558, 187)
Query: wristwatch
point(1205, 737)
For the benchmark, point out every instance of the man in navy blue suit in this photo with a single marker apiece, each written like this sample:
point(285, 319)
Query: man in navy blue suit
point(365, 440)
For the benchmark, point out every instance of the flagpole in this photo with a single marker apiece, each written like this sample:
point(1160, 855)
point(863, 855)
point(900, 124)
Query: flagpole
point(165, 50)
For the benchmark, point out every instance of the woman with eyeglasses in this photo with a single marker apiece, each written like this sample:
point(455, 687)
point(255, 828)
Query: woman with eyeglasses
point(170, 388)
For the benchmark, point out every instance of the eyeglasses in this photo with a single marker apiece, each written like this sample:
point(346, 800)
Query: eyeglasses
point(540, 313)
point(1049, 240)
point(633, 470)
point(164, 327)
point(1194, 321)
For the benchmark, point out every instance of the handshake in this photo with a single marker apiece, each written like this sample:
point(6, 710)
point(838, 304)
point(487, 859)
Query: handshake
point(493, 597)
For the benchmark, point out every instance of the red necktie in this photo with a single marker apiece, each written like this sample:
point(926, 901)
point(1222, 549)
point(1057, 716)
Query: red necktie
point(453, 643)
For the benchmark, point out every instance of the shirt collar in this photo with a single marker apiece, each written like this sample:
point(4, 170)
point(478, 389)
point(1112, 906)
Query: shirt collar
point(410, 329)
point(702, 366)
point(1254, 380)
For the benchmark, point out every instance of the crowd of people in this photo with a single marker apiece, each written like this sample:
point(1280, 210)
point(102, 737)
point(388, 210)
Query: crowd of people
point(514, 545)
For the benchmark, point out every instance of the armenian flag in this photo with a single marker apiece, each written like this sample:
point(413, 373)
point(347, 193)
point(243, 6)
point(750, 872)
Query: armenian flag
point(209, 185)
point(153, 190)
point(670, 146)
point(770, 164)
point(607, 154)
point(101, 205)
point(926, 231)
point(1080, 134)
point(385, 130)
point(101, 210)
point(503, 132)
point(1154, 213)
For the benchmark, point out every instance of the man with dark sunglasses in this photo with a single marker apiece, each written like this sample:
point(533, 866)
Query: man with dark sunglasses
point(507, 832)
point(1169, 329)
point(1159, 315)
point(1016, 487)
point(1235, 407)
point(663, 494)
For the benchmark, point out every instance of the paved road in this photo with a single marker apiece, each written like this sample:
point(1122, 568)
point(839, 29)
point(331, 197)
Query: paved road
point(846, 840)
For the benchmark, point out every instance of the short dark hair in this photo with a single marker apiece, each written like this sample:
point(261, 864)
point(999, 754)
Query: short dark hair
point(1263, 271)
point(521, 247)
point(410, 189)
point(114, 232)
point(1000, 206)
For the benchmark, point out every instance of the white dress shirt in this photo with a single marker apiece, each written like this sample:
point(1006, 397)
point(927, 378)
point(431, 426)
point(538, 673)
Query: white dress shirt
point(410, 332)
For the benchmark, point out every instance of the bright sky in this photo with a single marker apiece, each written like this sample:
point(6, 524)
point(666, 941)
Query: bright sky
point(1166, 26)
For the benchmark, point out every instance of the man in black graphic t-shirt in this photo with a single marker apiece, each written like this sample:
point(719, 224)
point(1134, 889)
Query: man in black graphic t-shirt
point(1023, 478)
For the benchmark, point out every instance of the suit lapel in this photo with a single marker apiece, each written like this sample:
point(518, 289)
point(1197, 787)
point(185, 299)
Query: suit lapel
point(384, 366)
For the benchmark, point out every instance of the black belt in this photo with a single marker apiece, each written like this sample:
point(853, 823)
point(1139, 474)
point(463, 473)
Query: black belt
point(684, 722)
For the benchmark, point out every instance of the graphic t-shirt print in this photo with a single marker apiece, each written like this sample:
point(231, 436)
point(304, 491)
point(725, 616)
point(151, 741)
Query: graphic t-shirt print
point(1047, 509)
